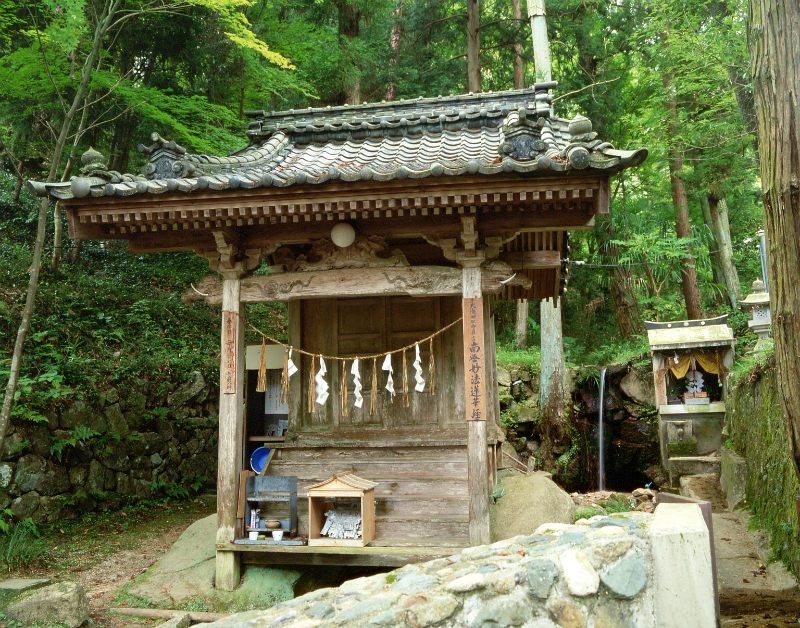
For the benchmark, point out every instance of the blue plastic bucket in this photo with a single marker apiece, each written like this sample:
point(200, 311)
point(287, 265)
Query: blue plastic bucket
point(259, 459)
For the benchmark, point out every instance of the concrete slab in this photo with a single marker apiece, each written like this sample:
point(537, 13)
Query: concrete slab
point(732, 540)
point(733, 477)
point(684, 598)
point(741, 573)
point(20, 585)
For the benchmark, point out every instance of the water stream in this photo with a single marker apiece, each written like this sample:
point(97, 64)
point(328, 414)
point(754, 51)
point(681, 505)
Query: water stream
point(600, 443)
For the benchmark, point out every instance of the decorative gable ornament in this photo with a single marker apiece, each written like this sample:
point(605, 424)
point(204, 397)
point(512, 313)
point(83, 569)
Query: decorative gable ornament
point(166, 159)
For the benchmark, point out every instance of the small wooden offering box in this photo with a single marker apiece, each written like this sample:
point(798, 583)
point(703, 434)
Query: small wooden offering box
point(332, 491)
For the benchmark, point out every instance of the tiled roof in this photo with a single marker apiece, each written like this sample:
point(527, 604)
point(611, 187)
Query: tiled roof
point(510, 132)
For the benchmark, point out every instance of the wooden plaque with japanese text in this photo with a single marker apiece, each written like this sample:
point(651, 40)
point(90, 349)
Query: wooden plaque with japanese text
point(474, 360)
point(229, 352)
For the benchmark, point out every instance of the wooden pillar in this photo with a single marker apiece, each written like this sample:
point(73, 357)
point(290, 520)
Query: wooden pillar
point(475, 396)
point(231, 408)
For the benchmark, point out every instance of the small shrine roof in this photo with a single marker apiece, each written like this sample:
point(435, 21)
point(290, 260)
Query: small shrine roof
point(711, 332)
point(499, 132)
point(348, 479)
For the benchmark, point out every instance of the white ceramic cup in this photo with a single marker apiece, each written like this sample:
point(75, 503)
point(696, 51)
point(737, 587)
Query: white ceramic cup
point(254, 535)
point(277, 534)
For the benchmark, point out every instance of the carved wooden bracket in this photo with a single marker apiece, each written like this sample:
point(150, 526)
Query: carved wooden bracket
point(470, 255)
point(229, 260)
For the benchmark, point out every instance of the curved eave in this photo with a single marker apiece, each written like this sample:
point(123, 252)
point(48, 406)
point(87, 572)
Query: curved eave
point(607, 161)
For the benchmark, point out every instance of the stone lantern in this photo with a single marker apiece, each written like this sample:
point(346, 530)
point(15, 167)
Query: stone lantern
point(757, 302)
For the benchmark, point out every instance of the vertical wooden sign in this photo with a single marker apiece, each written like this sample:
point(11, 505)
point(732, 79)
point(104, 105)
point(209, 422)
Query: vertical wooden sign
point(474, 360)
point(229, 352)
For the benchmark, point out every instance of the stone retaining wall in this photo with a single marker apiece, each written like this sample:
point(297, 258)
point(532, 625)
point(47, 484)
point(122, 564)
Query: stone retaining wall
point(126, 444)
point(758, 433)
point(624, 571)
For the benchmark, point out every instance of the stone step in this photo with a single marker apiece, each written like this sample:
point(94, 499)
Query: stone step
point(693, 465)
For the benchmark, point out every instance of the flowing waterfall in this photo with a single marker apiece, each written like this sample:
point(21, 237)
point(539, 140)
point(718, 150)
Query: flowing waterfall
point(600, 443)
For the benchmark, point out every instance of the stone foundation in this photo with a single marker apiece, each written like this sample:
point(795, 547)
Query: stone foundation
point(634, 570)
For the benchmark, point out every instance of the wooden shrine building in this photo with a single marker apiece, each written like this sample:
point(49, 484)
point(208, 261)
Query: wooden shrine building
point(381, 225)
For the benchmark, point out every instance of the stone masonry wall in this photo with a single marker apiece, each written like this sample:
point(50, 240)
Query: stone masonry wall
point(127, 444)
point(604, 572)
point(758, 433)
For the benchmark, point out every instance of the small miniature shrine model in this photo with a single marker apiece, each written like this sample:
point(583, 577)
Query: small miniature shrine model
point(347, 505)
point(690, 361)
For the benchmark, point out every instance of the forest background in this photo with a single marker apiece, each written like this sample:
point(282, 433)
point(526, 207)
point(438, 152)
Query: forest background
point(670, 76)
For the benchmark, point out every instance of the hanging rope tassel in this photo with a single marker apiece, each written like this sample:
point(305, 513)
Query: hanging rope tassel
point(405, 381)
point(261, 385)
point(374, 396)
point(311, 385)
point(431, 370)
point(344, 387)
point(285, 378)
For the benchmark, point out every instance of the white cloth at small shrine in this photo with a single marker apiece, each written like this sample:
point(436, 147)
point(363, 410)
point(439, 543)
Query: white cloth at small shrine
point(291, 369)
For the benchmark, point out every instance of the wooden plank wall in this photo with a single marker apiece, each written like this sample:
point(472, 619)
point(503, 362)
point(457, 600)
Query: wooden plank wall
point(351, 327)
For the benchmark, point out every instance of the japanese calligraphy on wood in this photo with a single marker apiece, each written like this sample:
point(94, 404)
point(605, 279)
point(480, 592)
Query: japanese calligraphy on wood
point(229, 352)
point(474, 360)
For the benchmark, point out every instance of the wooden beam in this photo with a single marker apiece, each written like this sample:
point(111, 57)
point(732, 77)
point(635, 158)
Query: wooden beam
point(355, 282)
point(475, 395)
point(442, 226)
point(231, 406)
point(521, 260)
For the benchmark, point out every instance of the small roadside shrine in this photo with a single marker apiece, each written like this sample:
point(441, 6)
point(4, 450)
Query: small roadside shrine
point(690, 362)
point(389, 229)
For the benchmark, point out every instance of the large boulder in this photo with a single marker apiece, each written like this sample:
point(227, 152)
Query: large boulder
point(639, 387)
point(186, 574)
point(527, 502)
point(60, 604)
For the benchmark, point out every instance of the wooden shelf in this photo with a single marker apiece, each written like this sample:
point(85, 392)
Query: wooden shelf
point(267, 439)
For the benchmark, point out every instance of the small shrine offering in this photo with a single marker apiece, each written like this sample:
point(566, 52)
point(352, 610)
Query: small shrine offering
point(341, 511)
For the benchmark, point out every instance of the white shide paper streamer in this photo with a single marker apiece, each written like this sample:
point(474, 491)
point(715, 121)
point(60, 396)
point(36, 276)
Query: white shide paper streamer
point(290, 367)
point(387, 366)
point(357, 384)
point(418, 368)
point(322, 385)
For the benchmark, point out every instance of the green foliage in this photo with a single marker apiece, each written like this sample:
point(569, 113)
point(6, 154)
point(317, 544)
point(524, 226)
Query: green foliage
point(18, 544)
point(616, 504)
point(527, 358)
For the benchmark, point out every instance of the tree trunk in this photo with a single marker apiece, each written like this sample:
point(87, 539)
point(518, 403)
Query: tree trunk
point(626, 305)
point(620, 286)
point(541, 44)
point(349, 19)
point(521, 331)
point(519, 71)
point(713, 253)
point(18, 188)
point(58, 234)
point(718, 210)
point(691, 294)
point(553, 381)
point(109, 10)
point(774, 44)
point(473, 46)
point(395, 39)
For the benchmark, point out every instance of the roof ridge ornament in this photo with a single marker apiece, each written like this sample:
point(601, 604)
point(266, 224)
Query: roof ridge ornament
point(166, 159)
